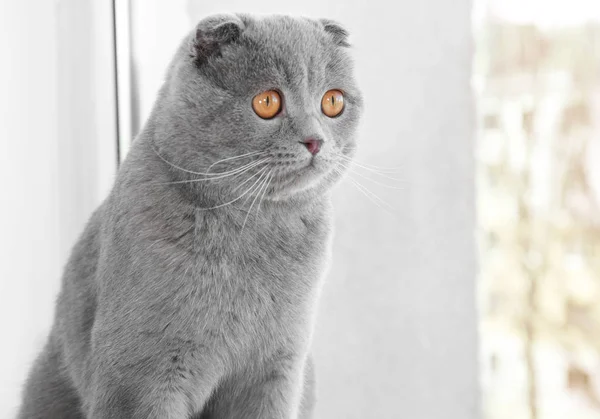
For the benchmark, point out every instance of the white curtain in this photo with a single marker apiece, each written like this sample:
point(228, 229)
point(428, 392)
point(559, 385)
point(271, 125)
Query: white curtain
point(57, 160)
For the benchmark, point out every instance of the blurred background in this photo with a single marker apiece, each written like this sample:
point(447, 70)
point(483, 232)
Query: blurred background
point(537, 85)
point(472, 292)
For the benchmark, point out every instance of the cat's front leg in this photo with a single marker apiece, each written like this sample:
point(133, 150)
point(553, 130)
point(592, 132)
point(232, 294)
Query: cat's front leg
point(279, 394)
point(148, 388)
point(275, 393)
point(128, 400)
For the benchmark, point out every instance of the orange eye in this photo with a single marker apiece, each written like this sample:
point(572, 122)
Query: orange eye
point(267, 104)
point(332, 103)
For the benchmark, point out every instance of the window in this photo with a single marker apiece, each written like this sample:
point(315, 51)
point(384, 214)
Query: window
point(537, 84)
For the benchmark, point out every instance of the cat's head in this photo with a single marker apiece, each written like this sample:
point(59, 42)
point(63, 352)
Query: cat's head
point(270, 104)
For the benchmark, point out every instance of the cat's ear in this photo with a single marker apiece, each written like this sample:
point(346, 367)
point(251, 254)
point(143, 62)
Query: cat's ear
point(212, 34)
point(337, 32)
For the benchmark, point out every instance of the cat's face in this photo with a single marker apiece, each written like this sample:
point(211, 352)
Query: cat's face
point(272, 101)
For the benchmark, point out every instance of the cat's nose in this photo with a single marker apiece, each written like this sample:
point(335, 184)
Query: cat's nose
point(313, 145)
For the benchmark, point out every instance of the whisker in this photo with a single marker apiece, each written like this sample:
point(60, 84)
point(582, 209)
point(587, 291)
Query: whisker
point(369, 166)
point(269, 159)
point(172, 164)
point(254, 153)
point(233, 173)
point(250, 196)
point(216, 175)
point(254, 175)
point(253, 201)
point(270, 179)
point(193, 172)
point(368, 178)
point(372, 196)
point(374, 171)
point(241, 196)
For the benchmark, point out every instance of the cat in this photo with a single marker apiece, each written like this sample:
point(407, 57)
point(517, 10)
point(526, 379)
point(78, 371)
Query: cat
point(192, 290)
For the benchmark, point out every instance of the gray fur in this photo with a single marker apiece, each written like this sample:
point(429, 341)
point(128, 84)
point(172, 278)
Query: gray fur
point(171, 310)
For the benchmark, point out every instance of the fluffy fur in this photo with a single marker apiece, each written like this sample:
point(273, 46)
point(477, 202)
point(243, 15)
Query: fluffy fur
point(181, 299)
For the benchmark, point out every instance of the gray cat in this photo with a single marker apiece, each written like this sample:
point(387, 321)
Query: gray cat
point(192, 291)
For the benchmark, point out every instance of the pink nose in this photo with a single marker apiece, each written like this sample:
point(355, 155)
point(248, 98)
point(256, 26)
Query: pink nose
point(312, 145)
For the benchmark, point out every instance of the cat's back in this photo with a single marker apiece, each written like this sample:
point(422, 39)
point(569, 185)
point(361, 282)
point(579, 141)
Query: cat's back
point(77, 300)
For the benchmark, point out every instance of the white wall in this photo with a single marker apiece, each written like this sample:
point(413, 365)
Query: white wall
point(396, 336)
point(57, 159)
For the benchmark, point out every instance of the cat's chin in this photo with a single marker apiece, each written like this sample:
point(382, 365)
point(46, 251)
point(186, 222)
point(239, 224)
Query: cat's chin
point(313, 179)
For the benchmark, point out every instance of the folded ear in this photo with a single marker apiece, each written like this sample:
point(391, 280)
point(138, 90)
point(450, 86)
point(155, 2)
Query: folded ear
point(336, 31)
point(212, 34)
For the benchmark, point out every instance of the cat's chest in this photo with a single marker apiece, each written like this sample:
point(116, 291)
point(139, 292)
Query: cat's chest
point(262, 281)
point(273, 249)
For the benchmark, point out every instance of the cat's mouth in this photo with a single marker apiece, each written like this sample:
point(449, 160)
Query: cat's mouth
point(303, 176)
point(308, 168)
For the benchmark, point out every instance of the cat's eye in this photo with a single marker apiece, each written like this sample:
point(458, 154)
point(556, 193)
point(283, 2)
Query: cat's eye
point(267, 104)
point(332, 103)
